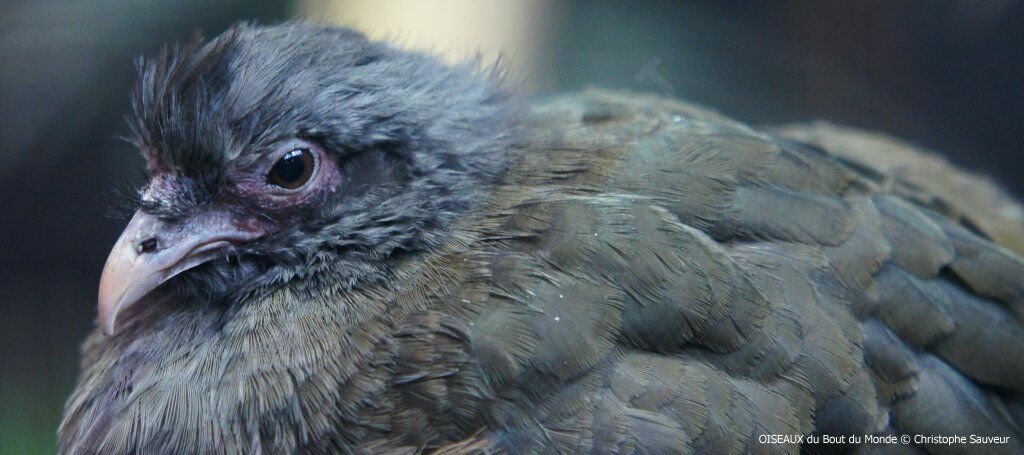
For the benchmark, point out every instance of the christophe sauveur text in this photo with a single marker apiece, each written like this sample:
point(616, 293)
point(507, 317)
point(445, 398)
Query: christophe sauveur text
point(881, 439)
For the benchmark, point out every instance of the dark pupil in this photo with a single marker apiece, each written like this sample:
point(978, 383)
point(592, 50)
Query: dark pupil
point(291, 168)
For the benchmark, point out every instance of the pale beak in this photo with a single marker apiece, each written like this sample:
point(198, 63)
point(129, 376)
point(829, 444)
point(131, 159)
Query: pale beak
point(151, 251)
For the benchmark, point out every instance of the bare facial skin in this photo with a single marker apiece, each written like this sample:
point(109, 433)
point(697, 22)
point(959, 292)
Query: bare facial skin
point(152, 251)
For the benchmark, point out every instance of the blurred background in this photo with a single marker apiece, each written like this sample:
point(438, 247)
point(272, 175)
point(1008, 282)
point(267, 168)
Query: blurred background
point(945, 74)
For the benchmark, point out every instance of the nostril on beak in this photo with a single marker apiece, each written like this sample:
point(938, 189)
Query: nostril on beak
point(146, 246)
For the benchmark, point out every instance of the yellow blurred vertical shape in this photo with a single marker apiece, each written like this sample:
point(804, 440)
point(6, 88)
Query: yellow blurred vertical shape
point(453, 29)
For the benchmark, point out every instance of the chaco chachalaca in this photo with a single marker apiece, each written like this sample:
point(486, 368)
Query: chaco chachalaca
point(345, 247)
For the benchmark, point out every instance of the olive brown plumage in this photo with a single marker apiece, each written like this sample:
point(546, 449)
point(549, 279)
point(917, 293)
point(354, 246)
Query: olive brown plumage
point(594, 272)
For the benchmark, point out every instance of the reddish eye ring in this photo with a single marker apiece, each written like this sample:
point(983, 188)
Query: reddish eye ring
point(293, 170)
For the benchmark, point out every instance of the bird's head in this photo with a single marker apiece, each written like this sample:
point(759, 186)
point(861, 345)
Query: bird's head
point(283, 153)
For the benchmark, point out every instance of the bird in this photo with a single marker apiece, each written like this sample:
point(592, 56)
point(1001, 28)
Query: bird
point(346, 247)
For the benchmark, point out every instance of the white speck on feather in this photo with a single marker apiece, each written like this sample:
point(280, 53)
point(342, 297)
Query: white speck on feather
point(530, 292)
point(466, 301)
point(678, 118)
point(557, 319)
point(1012, 211)
point(561, 296)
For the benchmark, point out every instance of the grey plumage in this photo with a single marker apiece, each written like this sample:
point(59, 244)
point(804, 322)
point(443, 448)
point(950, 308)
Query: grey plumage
point(594, 272)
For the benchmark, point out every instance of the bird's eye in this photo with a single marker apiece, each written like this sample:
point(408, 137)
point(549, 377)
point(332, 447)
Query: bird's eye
point(293, 169)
